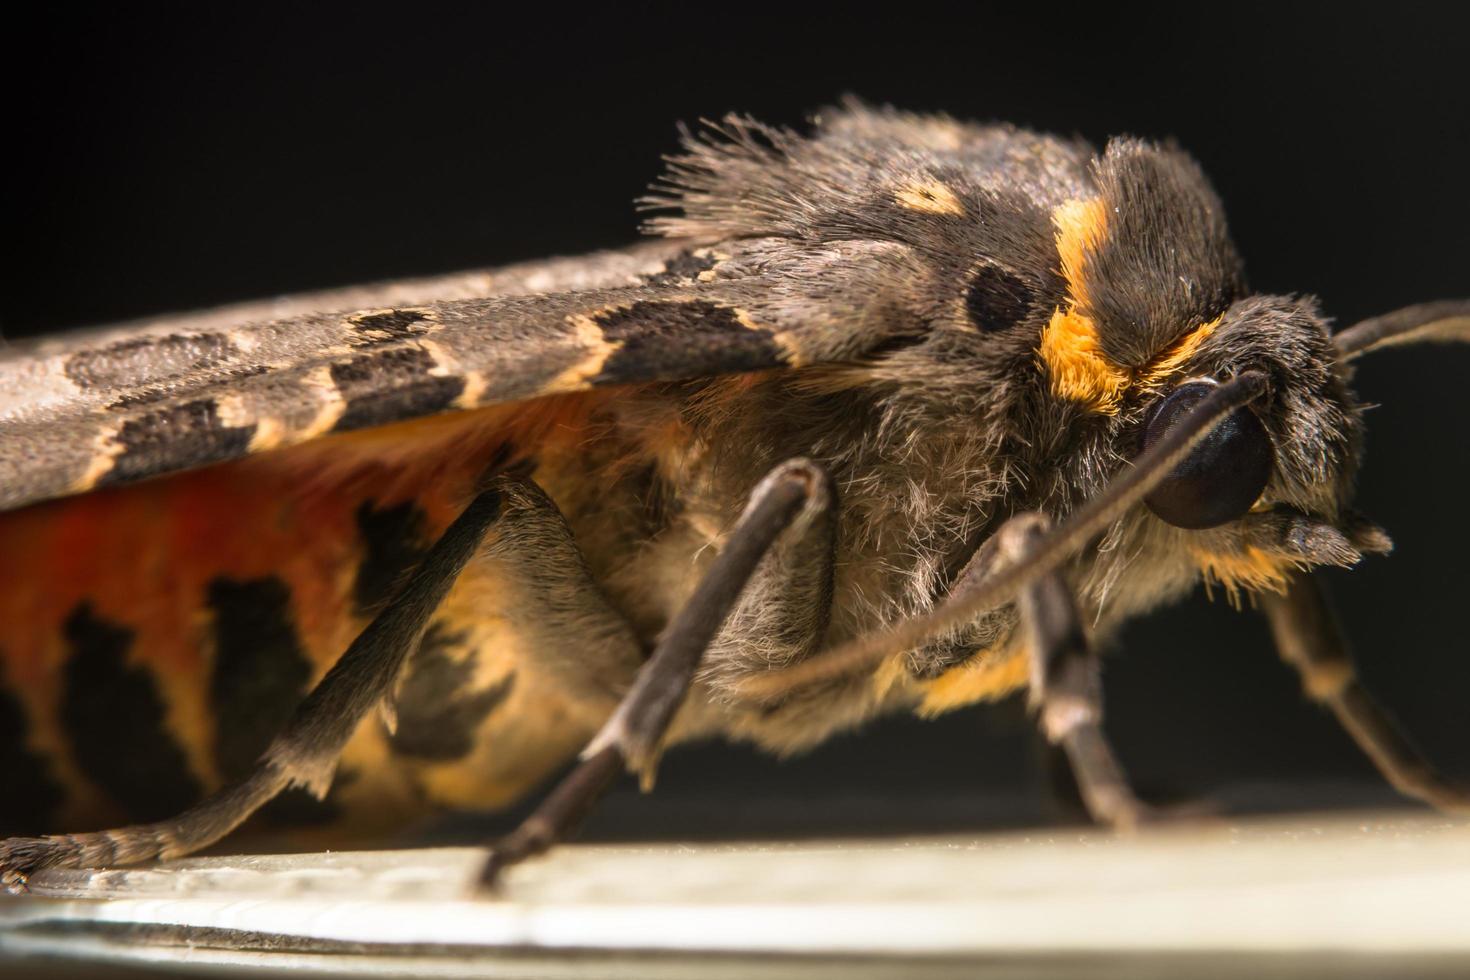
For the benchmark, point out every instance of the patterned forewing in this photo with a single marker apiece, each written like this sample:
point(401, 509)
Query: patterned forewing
point(110, 405)
point(142, 415)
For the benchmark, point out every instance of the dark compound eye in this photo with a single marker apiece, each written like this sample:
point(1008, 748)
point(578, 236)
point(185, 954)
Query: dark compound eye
point(1223, 476)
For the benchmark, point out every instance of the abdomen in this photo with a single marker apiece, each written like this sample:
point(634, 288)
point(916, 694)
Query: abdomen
point(154, 638)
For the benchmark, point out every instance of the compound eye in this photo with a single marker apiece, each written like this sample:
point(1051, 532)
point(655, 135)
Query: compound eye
point(1223, 476)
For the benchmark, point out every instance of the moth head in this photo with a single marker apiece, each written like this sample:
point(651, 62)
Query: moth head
point(1155, 313)
point(1270, 488)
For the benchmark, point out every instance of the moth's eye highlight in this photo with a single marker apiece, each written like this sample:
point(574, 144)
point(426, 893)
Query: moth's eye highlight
point(1223, 476)
point(996, 298)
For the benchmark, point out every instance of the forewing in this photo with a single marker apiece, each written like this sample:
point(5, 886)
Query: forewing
point(111, 407)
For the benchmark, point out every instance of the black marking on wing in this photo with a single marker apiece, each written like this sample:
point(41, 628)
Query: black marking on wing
point(28, 793)
point(674, 338)
point(384, 326)
point(260, 672)
point(502, 349)
point(438, 711)
point(123, 363)
point(392, 543)
point(683, 269)
point(163, 393)
point(174, 438)
point(392, 385)
point(115, 719)
point(259, 676)
point(996, 298)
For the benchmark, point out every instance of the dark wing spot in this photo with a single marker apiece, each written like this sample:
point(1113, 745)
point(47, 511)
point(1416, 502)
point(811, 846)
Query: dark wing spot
point(152, 395)
point(260, 672)
point(27, 789)
point(390, 386)
point(388, 325)
point(146, 360)
point(260, 675)
point(392, 544)
point(438, 712)
point(683, 269)
point(667, 340)
point(114, 717)
point(997, 299)
point(174, 438)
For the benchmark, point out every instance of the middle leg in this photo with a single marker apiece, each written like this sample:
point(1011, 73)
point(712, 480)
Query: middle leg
point(773, 577)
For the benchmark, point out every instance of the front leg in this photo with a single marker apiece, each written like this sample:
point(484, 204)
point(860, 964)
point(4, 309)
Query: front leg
point(1065, 686)
point(775, 566)
point(1308, 637)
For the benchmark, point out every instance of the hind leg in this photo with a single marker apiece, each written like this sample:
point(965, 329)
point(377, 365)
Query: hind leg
point(512, 523)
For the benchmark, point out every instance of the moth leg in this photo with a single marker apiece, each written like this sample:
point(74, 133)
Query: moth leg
point(306, 752)
point(787, 505)
point(781, 615)
point(1309, 638)
point(1066, 688)
point(559, 611)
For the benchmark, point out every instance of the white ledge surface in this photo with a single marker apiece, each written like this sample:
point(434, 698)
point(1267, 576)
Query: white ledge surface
point(1384, 884)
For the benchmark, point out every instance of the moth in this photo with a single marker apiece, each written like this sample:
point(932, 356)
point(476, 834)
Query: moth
point(900, 414)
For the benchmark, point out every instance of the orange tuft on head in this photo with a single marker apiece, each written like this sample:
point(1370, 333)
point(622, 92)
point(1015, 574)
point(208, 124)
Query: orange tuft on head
point(1081, 226)
point(1167, 364)
point(1078, 368)
point(1070, 349)
point(1081, 372)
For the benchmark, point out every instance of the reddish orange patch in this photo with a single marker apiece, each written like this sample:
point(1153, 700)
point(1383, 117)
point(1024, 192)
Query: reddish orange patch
point(143, 555)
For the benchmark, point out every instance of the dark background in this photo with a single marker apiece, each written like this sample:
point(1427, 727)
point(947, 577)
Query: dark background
point(176, 158)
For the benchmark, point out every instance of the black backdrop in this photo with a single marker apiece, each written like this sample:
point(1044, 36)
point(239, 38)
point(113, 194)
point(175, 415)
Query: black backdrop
point(176, 158)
